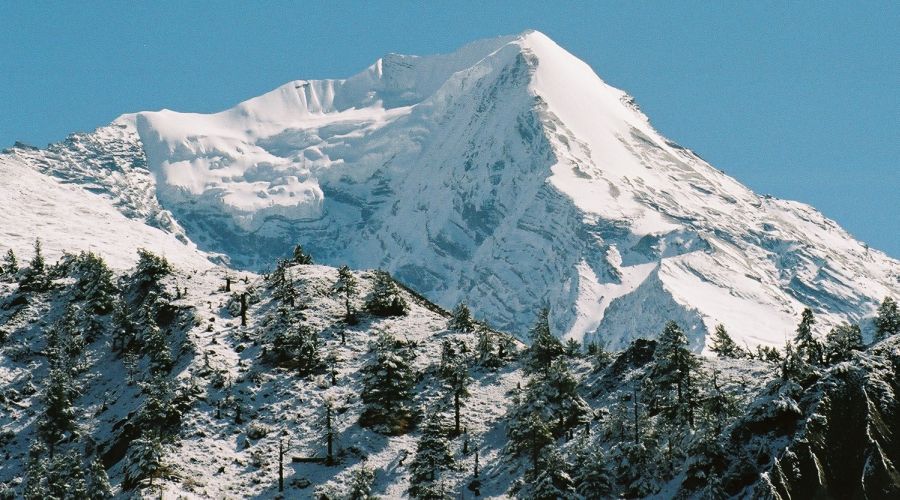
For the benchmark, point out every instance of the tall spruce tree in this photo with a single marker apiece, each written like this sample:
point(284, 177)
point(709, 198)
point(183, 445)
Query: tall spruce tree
point(388, 381)
point(723, 345)
point(346, 286)
point(301, 257)
point(99, 487)
point(807, 344)
point(455, 373)
point(432, 459)
point(36, 277)
point(461, 319)
point(887, 319)
point(841, 341)
point(544, 346)
point(58, 418)
point(591, 474)
point(676, 369)
point(10, 264)
point(385, 298)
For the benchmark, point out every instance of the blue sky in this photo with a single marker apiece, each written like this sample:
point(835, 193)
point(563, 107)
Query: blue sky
point(800, 100)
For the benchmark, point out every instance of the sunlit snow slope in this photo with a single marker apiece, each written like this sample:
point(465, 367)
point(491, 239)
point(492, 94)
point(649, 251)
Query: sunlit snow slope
point(508, 175)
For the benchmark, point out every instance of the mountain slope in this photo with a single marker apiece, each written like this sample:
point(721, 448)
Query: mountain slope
point(508, 175)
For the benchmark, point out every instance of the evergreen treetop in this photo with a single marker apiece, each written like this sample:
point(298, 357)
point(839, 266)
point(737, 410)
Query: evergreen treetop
point(887, 319)
point(385, 298)
point(723, 345)
point(544, 346)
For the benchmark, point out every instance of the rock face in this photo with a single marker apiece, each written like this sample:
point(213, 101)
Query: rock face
point(507, 175)
point(836, 438)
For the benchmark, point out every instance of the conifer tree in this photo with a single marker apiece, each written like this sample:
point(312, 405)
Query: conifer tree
point(65, 477)
point(144, 460)
point(551, 479)
point(36, 277)
point(718, 405)
point(544, 346)
point(388, 381)
point(455, 373)
point(361, 479)
point(841, 341)
point(385, 298)
point(36, 471)
point(94, 283)
point(10, 264)
point(488, 356)
point(807, 345)
point(151, 267)
point(573, 348)
point(156, 346)
point(529, 435)
point(675, 367)
point(346, 286)
point(461, 319)
point(301, 257)
point(887, 319)
point(59, 414)
point(591, 475)
point(99, 487)
point(432, 458)
point(723, 345)
point(124, 330)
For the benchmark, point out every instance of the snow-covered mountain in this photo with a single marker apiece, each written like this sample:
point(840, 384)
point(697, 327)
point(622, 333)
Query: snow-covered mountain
point(507, 175)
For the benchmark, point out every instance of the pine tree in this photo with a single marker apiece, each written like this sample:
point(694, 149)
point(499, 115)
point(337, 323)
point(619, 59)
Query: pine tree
point(461, 319)
point(592, 477)
point(551, 480)
point(723, 345)
point(529, 434)
point(544, 346)
point(65, 477)
point(887, 319)
point(388, 381)
point(99, 487)
point(432, 458)
point(36, 472)
point(36, 277)
point(675, 367)
point(151, 267)
point(124, 330)
point(156, 346)
point(94, 283)
point(10, 264)
point(719, 406)
point(346, 286)
point(488, 357)
point(455, 373)
point(361, 479)
point(807, 345)
point(144, 460)
point(59, 414)
point(573, 348)
point(841, 341)
point(301, 257)
point(385, 298)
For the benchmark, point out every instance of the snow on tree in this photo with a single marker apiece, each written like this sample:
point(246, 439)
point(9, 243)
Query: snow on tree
point(388, 381)
point(36, 277)
point(151, 267)
point(573, 348)
point(385, 298)
point(296, 344)
point(144, 460)
point(590, 472)
point(301, 257)
point(10, 264)
point(346, 286)
point(887, 319)
point(431, 460)
point(454, 371)
point(544, 346)
point(65, 477)
point(58, 418)
point(361, 479)
point(841, 341)
point(99, 487)
point(94, 283)
point(675, 374)
point(488, 356)
point(461, 319)
point(124, 330)
point(156, 347)
point(807, 344)
point(723, 345)
point(550, 480)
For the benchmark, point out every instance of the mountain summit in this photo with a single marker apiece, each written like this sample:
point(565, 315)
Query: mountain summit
point(507, 175)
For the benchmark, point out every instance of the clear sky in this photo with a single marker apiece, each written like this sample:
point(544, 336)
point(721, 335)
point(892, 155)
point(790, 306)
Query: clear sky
point(796, 99)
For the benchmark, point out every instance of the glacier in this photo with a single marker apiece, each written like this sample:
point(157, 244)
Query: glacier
point(507, 175)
